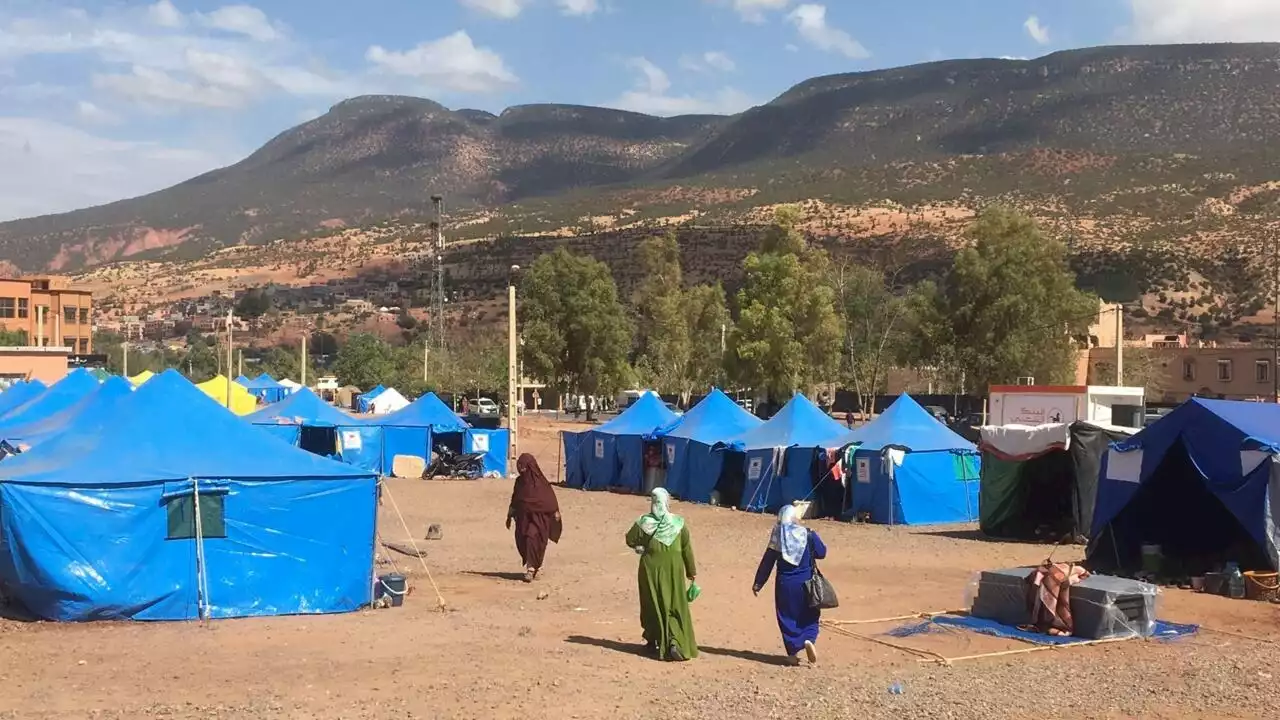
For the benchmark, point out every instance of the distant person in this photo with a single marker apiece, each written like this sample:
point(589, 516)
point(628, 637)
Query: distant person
point(536, 515)
point(661, 539)
point(793, 548)
point(466, 408)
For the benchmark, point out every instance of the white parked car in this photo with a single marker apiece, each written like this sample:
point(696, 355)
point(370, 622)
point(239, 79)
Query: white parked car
point(485, 406)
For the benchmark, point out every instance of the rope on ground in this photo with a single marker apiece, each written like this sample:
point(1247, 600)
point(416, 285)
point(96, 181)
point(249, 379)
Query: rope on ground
point(1022, 651)
point(912, 616)
point(403, 549)
point(409, 534)
point(922, 655)
point(1242, 636)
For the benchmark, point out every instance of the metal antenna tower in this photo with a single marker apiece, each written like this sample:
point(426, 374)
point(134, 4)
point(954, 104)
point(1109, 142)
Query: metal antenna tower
point(437, 289)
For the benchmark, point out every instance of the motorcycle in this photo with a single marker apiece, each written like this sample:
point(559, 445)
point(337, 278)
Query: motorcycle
point(448, 463)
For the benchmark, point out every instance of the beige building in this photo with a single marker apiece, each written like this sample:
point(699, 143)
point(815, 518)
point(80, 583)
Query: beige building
point(46, 364)
point(50, 311)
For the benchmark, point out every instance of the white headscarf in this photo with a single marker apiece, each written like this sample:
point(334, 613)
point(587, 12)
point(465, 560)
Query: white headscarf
point(660, 523)
point(789, 537)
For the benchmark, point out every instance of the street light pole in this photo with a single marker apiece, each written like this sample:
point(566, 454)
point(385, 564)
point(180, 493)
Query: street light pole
point(1275, 322)
point(513, 424)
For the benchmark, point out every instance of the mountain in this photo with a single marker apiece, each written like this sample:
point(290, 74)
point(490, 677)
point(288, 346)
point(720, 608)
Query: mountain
point(1104, 118)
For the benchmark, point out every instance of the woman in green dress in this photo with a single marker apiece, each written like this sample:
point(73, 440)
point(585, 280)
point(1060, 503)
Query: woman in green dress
point(661, 539)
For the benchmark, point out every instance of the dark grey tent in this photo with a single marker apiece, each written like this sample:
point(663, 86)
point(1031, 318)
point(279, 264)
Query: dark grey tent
point(1041, 482)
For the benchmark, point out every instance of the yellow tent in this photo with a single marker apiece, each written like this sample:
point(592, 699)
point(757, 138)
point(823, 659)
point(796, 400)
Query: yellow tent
point(242, 402)
point(141, 377)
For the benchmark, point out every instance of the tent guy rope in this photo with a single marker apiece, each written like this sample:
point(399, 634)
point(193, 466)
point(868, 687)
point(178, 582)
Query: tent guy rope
point(439, 598)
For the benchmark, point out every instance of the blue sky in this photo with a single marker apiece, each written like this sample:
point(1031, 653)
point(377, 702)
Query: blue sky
point(104, 99)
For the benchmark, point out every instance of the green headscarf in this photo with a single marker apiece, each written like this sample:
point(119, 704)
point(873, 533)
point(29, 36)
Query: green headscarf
point(660, 522)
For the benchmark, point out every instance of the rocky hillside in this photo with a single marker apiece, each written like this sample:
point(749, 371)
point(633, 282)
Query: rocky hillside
point(1147, 143)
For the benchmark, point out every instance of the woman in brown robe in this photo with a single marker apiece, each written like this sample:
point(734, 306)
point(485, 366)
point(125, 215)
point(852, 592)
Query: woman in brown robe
point(536, 514)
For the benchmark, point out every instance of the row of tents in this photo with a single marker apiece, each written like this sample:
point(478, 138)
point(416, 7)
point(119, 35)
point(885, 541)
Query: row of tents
point(155, 502)
point(904, 467)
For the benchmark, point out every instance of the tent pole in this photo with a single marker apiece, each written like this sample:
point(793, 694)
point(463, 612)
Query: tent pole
point(560, 456)
point(202, 600)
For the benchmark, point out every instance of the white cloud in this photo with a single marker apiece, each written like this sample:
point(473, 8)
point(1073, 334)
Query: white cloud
point(504, 9)
point(51, 167)
point(707, 61)
point(578, 7)
point(1038, 32)
point(92, 113)
point(158, 90)
point(165, 14)
point(810, 21)
point(452, 63)
point(243, 20)
point(754, 10)
point(1177, 21)
point(650, 95)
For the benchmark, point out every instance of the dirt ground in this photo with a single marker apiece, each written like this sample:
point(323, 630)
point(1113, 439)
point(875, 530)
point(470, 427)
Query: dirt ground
point(568, 646)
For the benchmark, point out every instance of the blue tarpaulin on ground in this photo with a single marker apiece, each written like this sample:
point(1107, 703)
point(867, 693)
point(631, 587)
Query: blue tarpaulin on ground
point(779, 454)
point(935, 479)
point(86, 415)
point(612, 454)
point(693, 468)
point(354, 442)
point(1163, 630)
point(58, 397)
point(101, 525)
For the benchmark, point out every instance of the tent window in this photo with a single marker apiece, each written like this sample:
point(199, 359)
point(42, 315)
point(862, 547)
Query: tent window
point(1224, 370)
point(1262, 371)
point(182, 517)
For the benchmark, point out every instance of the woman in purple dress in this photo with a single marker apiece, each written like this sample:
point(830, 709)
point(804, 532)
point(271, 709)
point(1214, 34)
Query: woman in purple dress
point(793, 548)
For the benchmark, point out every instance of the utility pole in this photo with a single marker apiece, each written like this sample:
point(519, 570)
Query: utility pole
point(1119, 345)
point(303, 371)
point(240, 363)
point(513, 425)
point(1275, 323)
point(426, 355)
point(124, 357)
point(436, 335)
point(230, 354)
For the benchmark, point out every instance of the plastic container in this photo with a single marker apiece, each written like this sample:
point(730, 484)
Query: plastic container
point(392, 586)
point(1235, 582)
point(1262, 586)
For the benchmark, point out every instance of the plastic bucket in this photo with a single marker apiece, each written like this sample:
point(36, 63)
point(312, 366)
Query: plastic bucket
point(393, 586)
point(1261, 585)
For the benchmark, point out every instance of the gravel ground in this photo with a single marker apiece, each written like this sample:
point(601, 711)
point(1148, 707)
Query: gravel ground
point(568, 645)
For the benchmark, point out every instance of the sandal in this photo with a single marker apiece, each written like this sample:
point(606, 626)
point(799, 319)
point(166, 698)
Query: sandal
point(528, 575)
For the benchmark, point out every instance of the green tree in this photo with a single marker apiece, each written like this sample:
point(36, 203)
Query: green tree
point(1008, 308)
point(873, 313)
point(576, 333)
point(13, 338)
point(286, 362)
point(709, 324)
point(662, 327)
point(474, 364)
point(253, 304)
point(788, 335)
point(365, 361)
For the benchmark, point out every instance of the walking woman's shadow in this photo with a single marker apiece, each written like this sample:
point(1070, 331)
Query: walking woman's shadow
point(511, 576)
point(641, 650)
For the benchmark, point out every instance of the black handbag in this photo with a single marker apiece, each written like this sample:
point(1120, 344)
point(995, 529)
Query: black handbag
point(818, 591)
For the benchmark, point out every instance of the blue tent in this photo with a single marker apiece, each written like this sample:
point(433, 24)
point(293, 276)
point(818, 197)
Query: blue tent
point(612, 454)
point(175, 507)
point(779, 454)
point(364, 402)
point(85, 415)
point(409, 430)
point(304, 420)
point(933, 478)
point(693, 469)
point(20, 393)
point(1200, 483)
point(265, 388)
point(73, 387)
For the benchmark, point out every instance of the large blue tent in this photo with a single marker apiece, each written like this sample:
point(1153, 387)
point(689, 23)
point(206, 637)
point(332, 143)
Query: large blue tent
point(68, 391)
point(85, 415)
point(693, 468)
point(20, 393)
point(411, 429)
point(910, 469)
point(265, 388)
point(1201, 483)
point(304, 420)
point(779, 454)
point(364, 401)
point(612, 454)
point(176, 509)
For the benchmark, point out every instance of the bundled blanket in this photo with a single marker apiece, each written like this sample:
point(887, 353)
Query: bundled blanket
point(1049, 596)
